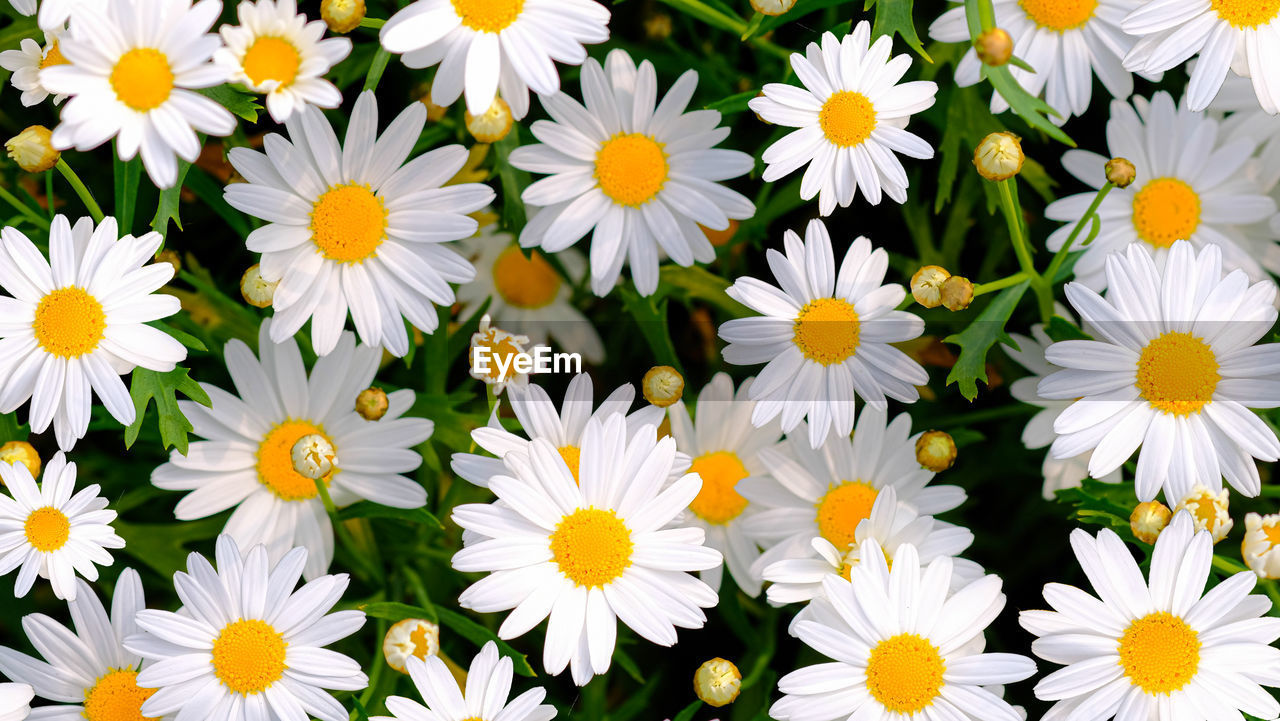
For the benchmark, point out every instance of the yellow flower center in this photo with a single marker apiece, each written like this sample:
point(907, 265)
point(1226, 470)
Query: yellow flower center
point(631, 169)
point(248, 656)
point(572, 456)
point(488, 16)
point(272, 59)
point(826, 330)
point(719, 501)
point(525, 282)
point(53, 56)
point(1160, 653)
point(847, 118)
point(1059, 15)
point(47, 529)
point(348, 223)
point(1272, 534)
point(591, 546)
point(904, 673)
point(842, 508)
point(1242, 14)
point(1177, 373)
point(422, 643)
point(142, 79)
point(275, 461)
point(1165, 210)
point(69, 322)
point(503, 352)
point(1204, 509)
point(116, 697)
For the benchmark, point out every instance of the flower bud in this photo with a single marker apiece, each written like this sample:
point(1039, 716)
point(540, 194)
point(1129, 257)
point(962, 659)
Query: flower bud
point(662, 386)
point(717, 682)
point(256, 291)
point(1148, 520)
point(1260, 548)
point(342, 16)
point(412, 637)
point(493, 124)
point(372, 404)
point(313, 456)
point(772, 7)
point(926, 285)
point(434, 112)
point(957, 293)
point(21, 452)
point(936, 450)
point(1209, 510)
point(999, 156)
point(32, 149)
point(1120, 172)
point(994, 46)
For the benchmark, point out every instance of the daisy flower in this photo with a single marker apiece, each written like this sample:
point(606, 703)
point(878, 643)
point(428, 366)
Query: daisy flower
point(901, 646)
point(355, 227)
point(15, 701)
point(1258, 548)
point(54, 14)
point(1157, 649)
point(62, 534)
point(1191, 186)
point(274, 50)
point(487, 46)
point(725, 448)
point(497, 352)
point(1174, 372)
point(246, 461)
point(87, 673)
point(78, 321)
point(851, 114)
point(134, 68)
point(26, 63)
point(640, 178)
point(1067, 42)
point(824, 335)
point(245, 645)
point(590, 551)
point(485, 697)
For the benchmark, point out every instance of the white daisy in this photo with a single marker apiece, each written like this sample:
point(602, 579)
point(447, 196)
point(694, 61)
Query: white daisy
point(51, 533)
point(902, 647)
point(87, 673)
point(485, 697)
point(1161, 649)
point(494, 356)
point(851, 114)
point(274, 50)
point(26, 63)
point(725, 449)
point(590, 551)
point(15, 701)
point(245, 645)
point(824, 336)
point(1068, 42)
point(54, 14)
point(355, 227)
point(639, 178)
point(246, 462)
point(487, 46)
point(1191, 186)
point(134, 68)
point(1174, 371)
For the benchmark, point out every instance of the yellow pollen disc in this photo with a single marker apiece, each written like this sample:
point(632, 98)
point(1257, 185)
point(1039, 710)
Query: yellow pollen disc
point(142, 79)
point(53, 56)
point(1242, 14)
point(1160, 653)
point(272, 59)
point(1059, 15)
point(69, 322)
point(1205, 510)
point(47, 529)
point(847, 118)
point(275, 461)
point(248, 656)
point(591, 546)
point(904, 673)
point(719, 500)
point(631, 169)
point(525, 283)
point(116, 697)
point(502, 354)
point(1177, 373)
point(1272, 534)
point(842, 508)
point(348, 223)
point(1165, 210)
point(572, 456)
point(826, 330)
point(488, 16)
point(421, 642)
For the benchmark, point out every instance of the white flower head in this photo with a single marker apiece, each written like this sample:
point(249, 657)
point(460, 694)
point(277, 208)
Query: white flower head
point(503, 352)
point(486, 694)
point(15, 701)
point(26, 63)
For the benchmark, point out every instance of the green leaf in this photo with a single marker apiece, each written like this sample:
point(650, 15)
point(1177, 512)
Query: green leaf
point(628, 664)
point(10, 430)
point(369, 509)
point(894, 17)
point(161, 546)
point(163, 387)
point(797, 11)
point(637, 702)
point(241, 104)
point(512, 181)
point(651, 318)
point(167, 208)
point(976, 340)
point(361, 713)
point(126, 175)
point(182, 337)
point(700, 284)
point(479, 635)
point(394, 612)
point(688, 711)
point(1061, 329)
point(735, 103)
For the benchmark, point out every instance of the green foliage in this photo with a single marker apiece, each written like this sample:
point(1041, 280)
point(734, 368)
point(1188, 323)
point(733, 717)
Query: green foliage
point(976, 340)
point(149, 385)
point(235, 98)
point(479, 635)
point(894, 17)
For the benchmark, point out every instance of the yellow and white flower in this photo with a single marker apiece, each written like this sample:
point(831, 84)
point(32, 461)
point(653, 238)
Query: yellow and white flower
point(824, 335)
point(1258, 549)
point(61, 534)
point(134, 68)
point(1157, 648)
point(851, 117)
point(26, 63)
point(1174, 371)
point(354, 227)
point(246, 462)
point(589, 551)
point(486, 694)
point(53, 14)
point(501, 350)
point(78, 321)
point(245, 645)
point(639, 177)
point(274, 50)
point(15, 701)
point(1209, 510)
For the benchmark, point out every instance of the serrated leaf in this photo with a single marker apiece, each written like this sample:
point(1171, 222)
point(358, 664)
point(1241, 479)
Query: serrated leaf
point(976, 340)
point(369, 509)
point(895, 17)
point(479, 635)
point(241, 104)
point(167, 207)
point(148, 385)
point(395, 612)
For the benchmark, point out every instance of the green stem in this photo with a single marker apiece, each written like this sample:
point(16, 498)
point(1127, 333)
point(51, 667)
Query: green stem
point(1013, 217)
point(376, 68)
point(993, 286)
point(375, 23)
point(1061, 256)
point(77, 185)
point(23, 208)
point(374, 572)
point(48, 191)
point(729, 23)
